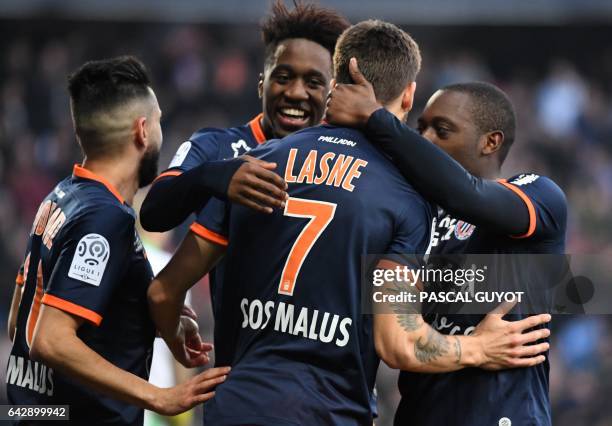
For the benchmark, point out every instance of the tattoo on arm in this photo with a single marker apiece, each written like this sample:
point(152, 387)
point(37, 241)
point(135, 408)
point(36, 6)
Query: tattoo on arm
point(409, 322)
point(408, 314)
point(435, 346)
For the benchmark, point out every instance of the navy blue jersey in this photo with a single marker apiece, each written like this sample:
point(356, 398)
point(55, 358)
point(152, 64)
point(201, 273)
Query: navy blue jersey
point(85, 258)
point(289, 316)
point(210, 144)
point(473, 396)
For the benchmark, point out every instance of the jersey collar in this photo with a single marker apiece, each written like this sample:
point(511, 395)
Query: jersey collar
point(255, 126)
point(81, 172)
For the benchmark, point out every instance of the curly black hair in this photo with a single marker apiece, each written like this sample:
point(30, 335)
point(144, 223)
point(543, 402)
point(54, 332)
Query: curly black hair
point(306, 20)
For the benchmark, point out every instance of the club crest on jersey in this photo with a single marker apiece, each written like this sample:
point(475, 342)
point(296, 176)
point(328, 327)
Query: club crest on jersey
point(90, 258)
point(240, 148)
point(463, 230)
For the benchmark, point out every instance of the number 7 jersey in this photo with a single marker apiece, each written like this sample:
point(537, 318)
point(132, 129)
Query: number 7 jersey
point(289, 315)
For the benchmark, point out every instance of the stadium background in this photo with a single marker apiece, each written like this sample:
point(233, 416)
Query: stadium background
point(553, 58)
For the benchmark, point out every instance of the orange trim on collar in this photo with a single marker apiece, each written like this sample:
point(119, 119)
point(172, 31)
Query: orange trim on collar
point(255, 126)
point(82, 172)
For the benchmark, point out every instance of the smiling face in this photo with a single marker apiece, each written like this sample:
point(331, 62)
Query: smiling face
point(294, 87)
point(447, 122)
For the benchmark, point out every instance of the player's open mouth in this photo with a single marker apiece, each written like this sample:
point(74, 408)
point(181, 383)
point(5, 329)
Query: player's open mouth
point(292, 117)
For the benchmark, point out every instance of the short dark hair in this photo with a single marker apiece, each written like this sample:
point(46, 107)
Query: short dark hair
point(101, 86)
point(491, 110)
point(387, 56)
point(309, 21)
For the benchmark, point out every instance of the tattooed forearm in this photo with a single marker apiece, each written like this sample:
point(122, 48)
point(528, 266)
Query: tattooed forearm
point(435, 346)
point(457, 350)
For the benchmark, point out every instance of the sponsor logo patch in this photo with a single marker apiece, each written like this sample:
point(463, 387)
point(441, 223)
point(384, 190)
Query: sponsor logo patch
point(90, 258)
point(180, 155)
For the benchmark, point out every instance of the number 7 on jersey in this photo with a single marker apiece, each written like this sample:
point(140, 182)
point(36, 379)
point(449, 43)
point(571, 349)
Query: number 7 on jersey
point(320, 214)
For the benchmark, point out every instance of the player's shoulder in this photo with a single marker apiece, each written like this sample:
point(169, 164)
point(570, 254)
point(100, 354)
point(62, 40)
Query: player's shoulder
point(91, 201)
point(542, 187)
point(207, 134)
point(547, 197)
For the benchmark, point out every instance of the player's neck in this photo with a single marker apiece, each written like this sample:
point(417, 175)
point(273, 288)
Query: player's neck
point(118, 172)
point(492, 172)
point(266, 128)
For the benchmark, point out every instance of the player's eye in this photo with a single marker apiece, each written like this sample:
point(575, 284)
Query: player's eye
point(282, 78)
point(442, 132)
point(315, 83)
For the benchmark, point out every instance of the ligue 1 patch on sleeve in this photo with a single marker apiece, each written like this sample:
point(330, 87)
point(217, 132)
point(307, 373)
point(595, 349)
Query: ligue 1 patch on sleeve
point(180, 155)
point(90, 258)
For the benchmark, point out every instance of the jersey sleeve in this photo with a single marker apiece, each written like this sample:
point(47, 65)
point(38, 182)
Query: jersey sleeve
point(545, 203)
point(94, 256)
point(482, 202)
point(196, 173)
point(212, 222)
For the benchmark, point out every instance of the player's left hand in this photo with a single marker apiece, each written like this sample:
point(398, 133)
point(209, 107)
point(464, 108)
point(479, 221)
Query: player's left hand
point(511, 344)
point(350, 105)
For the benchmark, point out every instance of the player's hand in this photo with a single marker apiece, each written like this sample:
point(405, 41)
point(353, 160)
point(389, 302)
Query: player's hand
point(257, 186)
point(350, 105)
point(508, 344)
point(187, 345)
point(183, 397)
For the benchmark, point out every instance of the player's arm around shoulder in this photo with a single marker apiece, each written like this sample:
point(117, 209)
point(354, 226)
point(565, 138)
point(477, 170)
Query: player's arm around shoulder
point(178, 183)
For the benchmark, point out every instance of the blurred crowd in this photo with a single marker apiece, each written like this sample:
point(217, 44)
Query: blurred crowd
point(206, 75)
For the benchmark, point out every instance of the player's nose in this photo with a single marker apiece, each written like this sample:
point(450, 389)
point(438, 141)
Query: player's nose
point(296, 91)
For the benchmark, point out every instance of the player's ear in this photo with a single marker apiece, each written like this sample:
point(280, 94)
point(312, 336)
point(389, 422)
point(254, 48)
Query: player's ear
point(493, 142)
point(141, 133)
point(260, 85)
point(408, 96)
